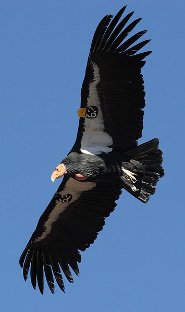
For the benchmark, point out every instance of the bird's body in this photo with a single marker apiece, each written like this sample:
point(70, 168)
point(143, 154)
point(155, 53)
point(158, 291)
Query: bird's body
point(95, 166)
point(105, 158)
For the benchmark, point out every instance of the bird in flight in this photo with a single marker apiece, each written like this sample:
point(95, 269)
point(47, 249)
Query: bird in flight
point(105, 158)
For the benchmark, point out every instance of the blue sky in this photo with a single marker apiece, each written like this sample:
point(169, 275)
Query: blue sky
point(137, 264)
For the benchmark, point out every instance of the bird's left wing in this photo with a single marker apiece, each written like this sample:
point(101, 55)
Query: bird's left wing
point(70, 224)
point(112, 95)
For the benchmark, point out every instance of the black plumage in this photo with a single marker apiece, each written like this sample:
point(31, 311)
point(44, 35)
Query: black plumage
point(105, 158)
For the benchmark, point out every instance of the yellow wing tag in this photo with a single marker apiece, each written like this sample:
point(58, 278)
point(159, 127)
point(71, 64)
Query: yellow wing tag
point(82, 112)
point(88, 112)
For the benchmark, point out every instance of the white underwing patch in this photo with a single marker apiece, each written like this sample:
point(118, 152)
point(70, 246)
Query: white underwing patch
point(72, 187)
point(95, 140)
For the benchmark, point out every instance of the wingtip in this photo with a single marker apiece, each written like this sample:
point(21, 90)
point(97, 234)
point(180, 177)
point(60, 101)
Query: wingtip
point(25, 275)
point(21, 263)
point(123, 9)
point(77, 272)
point(41, 291)
point(52, 289)
point(34, 286)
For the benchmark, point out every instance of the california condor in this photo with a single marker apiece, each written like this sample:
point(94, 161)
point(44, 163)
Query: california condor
point(105, 158)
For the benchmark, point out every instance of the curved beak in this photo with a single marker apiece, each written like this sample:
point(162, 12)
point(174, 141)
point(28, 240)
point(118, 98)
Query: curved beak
point(59, 171)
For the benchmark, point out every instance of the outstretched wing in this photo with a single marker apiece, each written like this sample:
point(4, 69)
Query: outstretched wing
point(70, 224)
point(112, 95)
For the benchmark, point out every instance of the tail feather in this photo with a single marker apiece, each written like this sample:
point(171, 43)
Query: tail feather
point(142, 172)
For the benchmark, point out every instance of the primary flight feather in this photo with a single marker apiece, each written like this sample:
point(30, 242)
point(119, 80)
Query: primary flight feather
point(105, 158)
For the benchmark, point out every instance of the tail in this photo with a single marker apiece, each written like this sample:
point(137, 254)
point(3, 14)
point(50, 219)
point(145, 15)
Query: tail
point(142, 172)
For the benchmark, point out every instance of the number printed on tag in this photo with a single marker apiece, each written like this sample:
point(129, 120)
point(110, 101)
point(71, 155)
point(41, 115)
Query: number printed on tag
point(91, 112)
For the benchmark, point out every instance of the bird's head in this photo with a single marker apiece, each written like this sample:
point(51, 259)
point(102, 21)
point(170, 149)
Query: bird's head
point(79, 166)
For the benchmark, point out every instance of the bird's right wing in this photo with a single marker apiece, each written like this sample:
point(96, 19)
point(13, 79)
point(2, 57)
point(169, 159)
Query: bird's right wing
point(70, 224)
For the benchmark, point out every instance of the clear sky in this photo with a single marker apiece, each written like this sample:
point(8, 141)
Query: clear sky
point(137, 264)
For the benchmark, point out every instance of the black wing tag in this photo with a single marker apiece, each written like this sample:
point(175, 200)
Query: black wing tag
point(63, 198)
point(88, 112)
